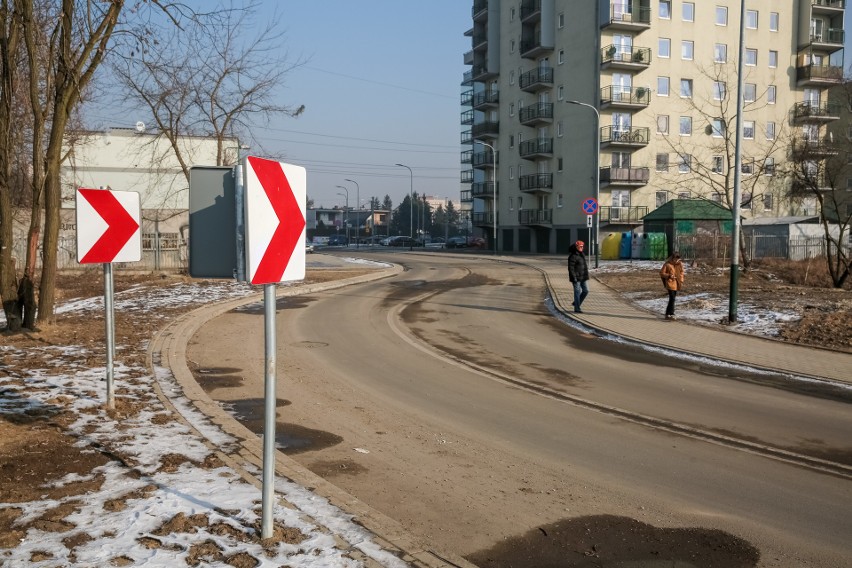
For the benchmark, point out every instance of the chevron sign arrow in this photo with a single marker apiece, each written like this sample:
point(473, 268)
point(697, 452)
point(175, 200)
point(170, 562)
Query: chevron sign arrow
point(275, 195)
point(108, 226)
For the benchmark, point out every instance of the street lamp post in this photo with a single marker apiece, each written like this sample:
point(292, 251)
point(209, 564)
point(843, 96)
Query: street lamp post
point(410, 200)
point(345, 213)
point(357, 213)
point(738, 166)
point(494, 188)
point(597, 177)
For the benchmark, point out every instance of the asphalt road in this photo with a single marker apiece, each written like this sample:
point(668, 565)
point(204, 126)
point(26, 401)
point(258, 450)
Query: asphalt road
point(450, 399)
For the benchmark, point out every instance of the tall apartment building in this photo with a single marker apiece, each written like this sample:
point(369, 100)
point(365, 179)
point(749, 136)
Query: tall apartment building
point(656, 84)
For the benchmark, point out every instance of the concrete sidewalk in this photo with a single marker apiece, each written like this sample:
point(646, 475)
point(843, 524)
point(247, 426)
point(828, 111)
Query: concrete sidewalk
point(606, 311)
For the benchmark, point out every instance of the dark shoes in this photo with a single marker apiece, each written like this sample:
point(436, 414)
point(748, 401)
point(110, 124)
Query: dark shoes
point(577, 309)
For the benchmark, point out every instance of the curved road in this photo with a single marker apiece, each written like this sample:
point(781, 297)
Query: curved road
point(450, 399)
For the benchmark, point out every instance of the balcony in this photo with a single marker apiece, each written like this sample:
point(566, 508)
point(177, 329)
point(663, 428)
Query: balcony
point(830, 40)
point(479, 11)
point(481, 73)
point(485, 160)
point(482, 219)
point(634, 137)
point(623, 215)
point(635, 58)
point(807, 149)
point(466, 137)
point(467, 98)
point(537, 148)
point(486, 129)
point(536, 80)
point(617, 96)
point(535, 114)
point(808, 112)
point(467, 78)
point(466, 176)
point(631, 177)
point(483, 189)
point(536, 183)
point(818, 75)
point(467, 117)
point(624, 15)
point(468, 58)
point(486, 99)
point(543, 217)
point(465, 197)
point(467, 157)
point(530, 11)
point(532, 47)
point(827, 7)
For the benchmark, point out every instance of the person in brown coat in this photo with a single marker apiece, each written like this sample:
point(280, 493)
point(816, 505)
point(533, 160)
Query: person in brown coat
point(672, 275)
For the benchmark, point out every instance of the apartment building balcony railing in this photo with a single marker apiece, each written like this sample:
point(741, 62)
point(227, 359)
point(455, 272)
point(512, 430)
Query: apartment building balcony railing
point(479, 10)
point(537, 148)
point(479, 40)
point(536, 80)
point(830, 39)
point(624, 215)
point(465, 196)
point(536, 183)
point(625, 136)
point(467, 176)
point(818, 75)
point(467, 98)
point(484, 189)
point(468, 58)
point(486, 129)
point(630, 15)
point(482, 219)
point(542, 217)
point(466, 137)
point(827, 6)
point(530, 11)
point(635, 177)
point(538, 113)
point(467, 78)
point(815, 112)
point(625, 97)
point(486, 99)
point(532, 47)
point(467, 117)
point(485, 160)
point(805, 148)
point(467, 157)
point(481, 73)
point(616, 57)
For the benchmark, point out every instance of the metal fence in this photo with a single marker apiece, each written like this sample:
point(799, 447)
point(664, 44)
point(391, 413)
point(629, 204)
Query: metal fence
point(167, 253)
point(718, 246)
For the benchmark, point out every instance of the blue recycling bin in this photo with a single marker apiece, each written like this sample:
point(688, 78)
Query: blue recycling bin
point(624, 249)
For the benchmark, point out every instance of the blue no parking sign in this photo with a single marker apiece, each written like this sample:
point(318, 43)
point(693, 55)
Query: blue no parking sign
point(590, 206)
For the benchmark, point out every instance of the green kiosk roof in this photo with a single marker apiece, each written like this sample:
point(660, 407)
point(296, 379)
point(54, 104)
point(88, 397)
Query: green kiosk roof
point(689, 210)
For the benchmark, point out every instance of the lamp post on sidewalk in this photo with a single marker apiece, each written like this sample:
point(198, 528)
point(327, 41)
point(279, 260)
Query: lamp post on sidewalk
point(357, 213)
point(494, 189)
point(410, 201)
point(597, 177)
point(345, 213)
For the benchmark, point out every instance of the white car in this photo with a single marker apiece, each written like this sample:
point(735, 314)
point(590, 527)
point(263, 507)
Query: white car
point(309, 247)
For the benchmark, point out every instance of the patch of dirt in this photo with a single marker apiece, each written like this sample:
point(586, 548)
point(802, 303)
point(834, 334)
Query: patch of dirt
point(801, 287)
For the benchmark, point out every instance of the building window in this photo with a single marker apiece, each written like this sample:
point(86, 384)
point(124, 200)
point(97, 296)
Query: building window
point(720, 53)
point(664, 47)
point(663, 124)
point(512, 15)
point(559, 200)
point(719, 91)
point(662, 162)
point(666, 9)
point(684, 161)
point(686, 126)
point(511, 109)
point(721, 16)
point(773, 58)
point(512, 46)
point(559, 165)
point(717, 128)
point(559, 129)
point(769, 166)
point(748, 129)
point(767, 202)
point(683, 195)
point(773, 21)
point(770, 131)
point(749, 92)
point(771, 94)
point(561, 20)
point(751, 57)
point(512, 77)
point(717, 164)
point(662, 197)
point(560, 92)
point(686, 88)
point(688, 12)
point(662, 86)
point(748, 169)
point(686, 50)
point(746, 200)
point(511, 204)
point(561, 56)
point(511, 172)
point(511, 141)
point(751, 19)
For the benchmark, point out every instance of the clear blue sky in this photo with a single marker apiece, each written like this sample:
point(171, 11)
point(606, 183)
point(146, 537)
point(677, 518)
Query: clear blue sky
point(381, 86)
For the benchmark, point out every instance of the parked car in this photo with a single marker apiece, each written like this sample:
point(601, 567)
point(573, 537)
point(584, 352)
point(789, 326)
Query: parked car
point(337, 241)
point(456, 242)
point(309, 247)
point(476, 242)
point(403, 241)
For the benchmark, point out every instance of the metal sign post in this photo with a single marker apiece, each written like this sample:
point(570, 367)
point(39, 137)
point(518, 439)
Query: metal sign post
point(270, 399)
point(109, 319)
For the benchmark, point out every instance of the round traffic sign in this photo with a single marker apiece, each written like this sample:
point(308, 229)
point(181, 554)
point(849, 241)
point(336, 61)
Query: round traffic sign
point(590, 206)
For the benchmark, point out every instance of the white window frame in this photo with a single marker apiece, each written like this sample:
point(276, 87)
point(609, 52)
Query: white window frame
point(723, 52)
point(662, 164)
point(774, 21)
point(663, 120)
point(688, 6)
point(661, 91)
point(750, 57)
point(717, 164)
point(748, 129)
point(687, 50)
point(684, 163)
point(685, 121)
point(720, 90)
point(723, 12)
point(771, 94)
point(717, 128)
point(686, 87)
point(749, 93)
point(668, 5)
point(752, 18)
point(770, 131)
point(664, 53)
point(773, 59)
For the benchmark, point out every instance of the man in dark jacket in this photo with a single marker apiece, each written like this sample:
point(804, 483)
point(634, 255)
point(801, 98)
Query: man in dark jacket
point(578, 273)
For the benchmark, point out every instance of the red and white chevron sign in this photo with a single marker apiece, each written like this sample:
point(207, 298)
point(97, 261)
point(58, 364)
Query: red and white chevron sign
point(275, 221)
point(108, 226)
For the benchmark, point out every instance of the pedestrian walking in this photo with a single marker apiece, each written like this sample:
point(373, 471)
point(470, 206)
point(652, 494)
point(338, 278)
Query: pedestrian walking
point(578, 273)
point(672, 275)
